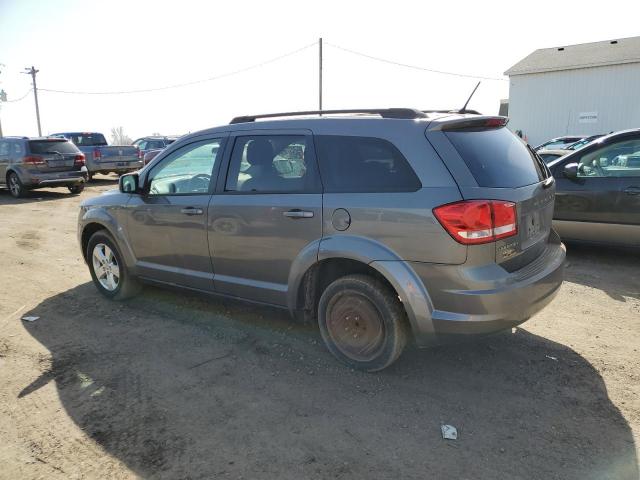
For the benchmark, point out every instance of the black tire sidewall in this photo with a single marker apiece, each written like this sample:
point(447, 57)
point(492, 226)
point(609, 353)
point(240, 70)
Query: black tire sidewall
point(22, 189)
point(103, 237)
point(390, 312)
point(76, 189)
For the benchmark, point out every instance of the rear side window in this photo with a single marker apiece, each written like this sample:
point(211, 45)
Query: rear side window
point(88, 139)
point(52, 146)
point(496, 157)
point(363, 164)
point(271, 164)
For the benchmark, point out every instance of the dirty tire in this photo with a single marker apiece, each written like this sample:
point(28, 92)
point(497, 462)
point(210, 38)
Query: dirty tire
point(76, 189)
point(362, 322)
point(16, 188)
point(127, 286)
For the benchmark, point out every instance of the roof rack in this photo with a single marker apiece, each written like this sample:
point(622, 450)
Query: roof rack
point(403, 113)
point(466, 110)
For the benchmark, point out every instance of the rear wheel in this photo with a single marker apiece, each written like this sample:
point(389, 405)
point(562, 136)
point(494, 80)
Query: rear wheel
point(15, 185)
point(107, 268)
point(362, 322)
point(76, 189)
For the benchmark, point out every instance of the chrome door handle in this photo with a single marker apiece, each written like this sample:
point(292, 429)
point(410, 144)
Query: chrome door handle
point(295, 213)
point(632, 190)
point(192, 211)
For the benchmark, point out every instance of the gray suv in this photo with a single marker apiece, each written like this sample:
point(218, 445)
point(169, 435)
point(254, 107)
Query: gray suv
point(28, 163)
point(381, 225)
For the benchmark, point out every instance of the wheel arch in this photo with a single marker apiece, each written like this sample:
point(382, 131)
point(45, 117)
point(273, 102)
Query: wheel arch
point(97, 219)
point(333, 257)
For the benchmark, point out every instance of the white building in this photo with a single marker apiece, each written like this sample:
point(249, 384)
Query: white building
point(586, 89)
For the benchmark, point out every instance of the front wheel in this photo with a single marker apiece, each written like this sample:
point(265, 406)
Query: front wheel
point(76, 189)
point(107, 268)
point(15, 186)
point(362, 322)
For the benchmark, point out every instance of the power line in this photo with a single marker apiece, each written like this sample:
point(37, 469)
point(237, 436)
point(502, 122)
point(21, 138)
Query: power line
point(414, 67)
point(186, 84)
point(19, 99)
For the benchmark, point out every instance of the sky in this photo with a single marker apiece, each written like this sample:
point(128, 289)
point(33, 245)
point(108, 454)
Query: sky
point(91, 46)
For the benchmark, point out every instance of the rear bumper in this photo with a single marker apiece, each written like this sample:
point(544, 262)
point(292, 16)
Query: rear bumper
point(31, 179)
point(488, 299)
point(118, 167)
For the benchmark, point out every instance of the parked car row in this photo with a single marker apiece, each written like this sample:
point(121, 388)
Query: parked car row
point(429, 226)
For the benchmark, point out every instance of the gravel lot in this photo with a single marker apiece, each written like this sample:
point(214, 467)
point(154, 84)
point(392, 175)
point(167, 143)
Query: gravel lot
point(179, 386)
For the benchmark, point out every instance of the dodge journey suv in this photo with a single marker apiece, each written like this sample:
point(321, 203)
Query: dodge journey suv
point(28, 163)
point(381, 225)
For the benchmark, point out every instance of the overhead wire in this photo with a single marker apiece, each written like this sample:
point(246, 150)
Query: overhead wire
point(185, 84)
point(414, 67)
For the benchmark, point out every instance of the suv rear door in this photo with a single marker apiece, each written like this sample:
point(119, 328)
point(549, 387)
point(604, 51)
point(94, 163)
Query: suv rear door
point(489, 162)
point(267, 209)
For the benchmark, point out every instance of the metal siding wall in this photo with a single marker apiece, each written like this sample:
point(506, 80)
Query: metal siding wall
point(546, 105)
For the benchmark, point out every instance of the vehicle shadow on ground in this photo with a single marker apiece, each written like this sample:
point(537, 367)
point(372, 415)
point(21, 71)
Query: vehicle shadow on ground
point(617, 270)
point(33, 196)
point(179, 386)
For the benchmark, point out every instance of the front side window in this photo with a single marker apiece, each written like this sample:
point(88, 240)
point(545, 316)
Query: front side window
point(363, 164)
point(4, 148)
point(619, 159)
point(270, 164)
point(186, 171)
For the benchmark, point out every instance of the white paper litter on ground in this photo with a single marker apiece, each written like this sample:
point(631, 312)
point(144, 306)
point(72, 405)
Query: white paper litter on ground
point(449, 432)
point(30, 318)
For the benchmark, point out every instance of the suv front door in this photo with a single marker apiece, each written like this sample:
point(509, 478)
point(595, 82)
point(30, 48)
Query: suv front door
point(166, 224)
point(267, 210)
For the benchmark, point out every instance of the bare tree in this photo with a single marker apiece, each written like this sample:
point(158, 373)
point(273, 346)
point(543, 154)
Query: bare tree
point(118, 137)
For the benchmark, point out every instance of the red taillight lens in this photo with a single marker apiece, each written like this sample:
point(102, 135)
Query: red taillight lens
point(139, 154)
point(78, 160)
point(33, 160)
point(472, 222)
point(97, 154)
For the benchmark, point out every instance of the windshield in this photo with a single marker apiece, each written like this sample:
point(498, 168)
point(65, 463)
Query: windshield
point(52, 146)
point(496, 157)
point(88, 139)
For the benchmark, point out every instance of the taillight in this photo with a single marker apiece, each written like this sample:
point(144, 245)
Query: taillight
point(97, 154)
point(33, 160)
point(472, 222)
point(78, 160)
point(139, 154)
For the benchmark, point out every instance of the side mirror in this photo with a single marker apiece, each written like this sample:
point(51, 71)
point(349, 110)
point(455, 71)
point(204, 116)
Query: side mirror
point(129, 183)
point(570, 170)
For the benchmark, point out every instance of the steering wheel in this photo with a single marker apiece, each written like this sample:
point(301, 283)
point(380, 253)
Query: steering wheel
point(597, 168)
point(204, 178)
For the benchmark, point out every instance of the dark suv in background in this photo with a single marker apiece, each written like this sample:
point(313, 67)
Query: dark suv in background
point(28, 163)
point(381, 225)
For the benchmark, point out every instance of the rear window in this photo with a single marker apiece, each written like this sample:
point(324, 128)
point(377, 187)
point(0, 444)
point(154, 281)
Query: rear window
point(88, 139)
point(52, 146)
point(363, 164)
point(496, 157)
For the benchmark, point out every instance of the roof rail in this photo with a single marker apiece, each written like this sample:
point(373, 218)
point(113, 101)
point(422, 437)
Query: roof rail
point(466, 110)
point(403, 113)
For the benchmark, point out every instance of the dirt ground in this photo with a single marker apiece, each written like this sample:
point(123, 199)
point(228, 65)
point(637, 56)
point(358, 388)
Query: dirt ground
point(179, 386)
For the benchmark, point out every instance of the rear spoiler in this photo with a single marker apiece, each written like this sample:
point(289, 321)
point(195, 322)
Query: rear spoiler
point(469, 122)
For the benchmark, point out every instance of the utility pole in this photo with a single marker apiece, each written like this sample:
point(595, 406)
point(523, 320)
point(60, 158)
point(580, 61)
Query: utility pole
point(320, 73)
point(32, 71)
point(3, 98)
